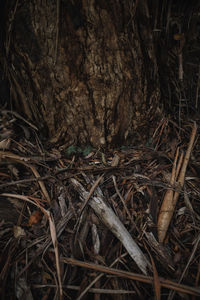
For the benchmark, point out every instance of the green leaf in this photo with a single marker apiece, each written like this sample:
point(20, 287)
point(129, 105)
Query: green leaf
point(71, 150)
point(87, 150)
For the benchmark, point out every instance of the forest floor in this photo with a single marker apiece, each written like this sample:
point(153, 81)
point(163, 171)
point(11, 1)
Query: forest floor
point(99, 224)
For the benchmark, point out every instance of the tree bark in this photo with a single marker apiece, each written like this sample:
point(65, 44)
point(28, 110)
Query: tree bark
point(84, 71)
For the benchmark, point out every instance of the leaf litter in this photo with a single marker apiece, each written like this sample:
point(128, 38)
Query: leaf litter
point(117, 223)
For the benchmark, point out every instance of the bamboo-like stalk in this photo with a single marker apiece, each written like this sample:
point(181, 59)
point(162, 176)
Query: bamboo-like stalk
point(171, 198)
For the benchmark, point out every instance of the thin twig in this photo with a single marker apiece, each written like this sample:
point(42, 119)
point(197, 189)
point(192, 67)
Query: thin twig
point(133, 276)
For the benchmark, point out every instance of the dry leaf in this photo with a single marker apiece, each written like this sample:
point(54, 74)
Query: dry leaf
point(18, 231)
point(5, 144)
point(35, 218)
point(179, 36)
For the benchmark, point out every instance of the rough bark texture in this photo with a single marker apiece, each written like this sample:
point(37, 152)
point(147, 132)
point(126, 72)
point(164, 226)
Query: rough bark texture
point(84, 70)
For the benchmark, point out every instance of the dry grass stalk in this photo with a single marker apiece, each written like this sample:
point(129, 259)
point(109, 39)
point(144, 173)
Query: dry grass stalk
point(133, 276)
point(55, 245)
point(23, 160)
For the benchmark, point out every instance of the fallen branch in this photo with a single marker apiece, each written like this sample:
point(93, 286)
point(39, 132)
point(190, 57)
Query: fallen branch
point(107, 216)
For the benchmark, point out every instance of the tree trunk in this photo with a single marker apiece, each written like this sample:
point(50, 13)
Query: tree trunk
point(84, 71)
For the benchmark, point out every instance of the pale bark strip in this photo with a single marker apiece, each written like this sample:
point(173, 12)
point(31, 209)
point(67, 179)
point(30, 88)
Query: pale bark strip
point(107, 216)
